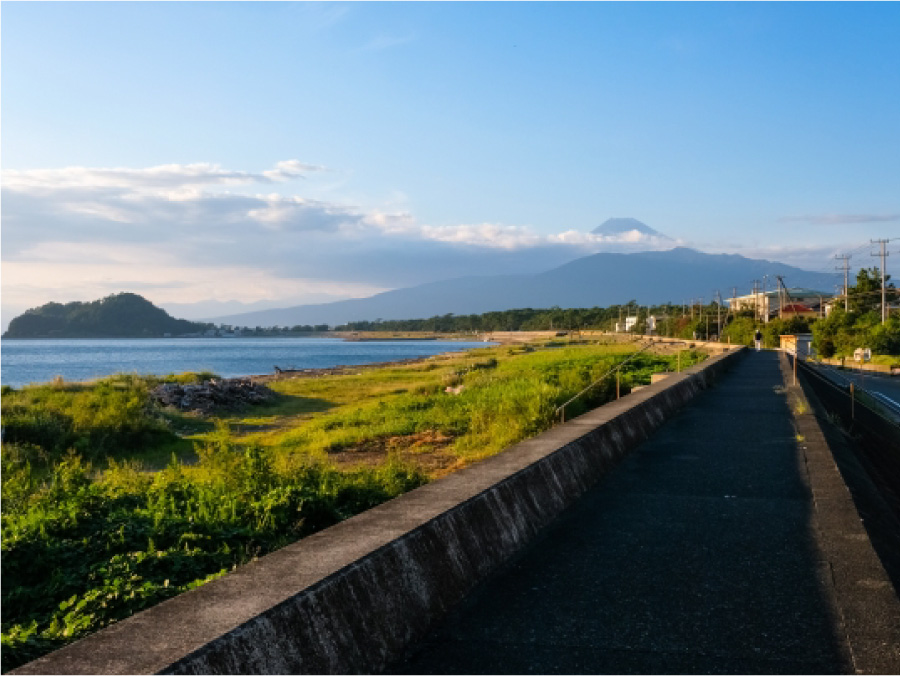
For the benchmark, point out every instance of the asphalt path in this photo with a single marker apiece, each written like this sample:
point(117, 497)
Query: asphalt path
point(696, 555)
point(885, 389)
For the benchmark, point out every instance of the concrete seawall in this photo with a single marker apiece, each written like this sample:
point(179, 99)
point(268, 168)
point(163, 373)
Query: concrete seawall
point(351, 598)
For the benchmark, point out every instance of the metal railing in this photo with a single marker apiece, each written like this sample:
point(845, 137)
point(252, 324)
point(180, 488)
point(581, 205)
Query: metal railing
point(877, 436)
point(857, 394)
point(652, 340)
point(561, 410)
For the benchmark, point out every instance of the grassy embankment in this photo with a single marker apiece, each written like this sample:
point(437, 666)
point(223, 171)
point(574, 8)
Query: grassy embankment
point(111, 505)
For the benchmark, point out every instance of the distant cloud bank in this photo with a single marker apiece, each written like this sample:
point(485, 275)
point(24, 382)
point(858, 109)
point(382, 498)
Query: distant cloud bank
point(842, 219)
point(163, 176)
point(81, 204)
point(188, 233)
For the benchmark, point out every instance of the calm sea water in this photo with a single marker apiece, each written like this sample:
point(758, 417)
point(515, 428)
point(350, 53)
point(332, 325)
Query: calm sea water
point(37, 361)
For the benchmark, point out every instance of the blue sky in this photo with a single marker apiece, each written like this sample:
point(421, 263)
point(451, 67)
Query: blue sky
point(280, 153)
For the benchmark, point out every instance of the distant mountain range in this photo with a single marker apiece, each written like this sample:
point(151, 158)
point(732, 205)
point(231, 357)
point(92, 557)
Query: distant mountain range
point(602, 279)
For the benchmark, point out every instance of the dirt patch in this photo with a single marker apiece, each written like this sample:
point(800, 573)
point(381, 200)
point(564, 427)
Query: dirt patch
point(430, 451)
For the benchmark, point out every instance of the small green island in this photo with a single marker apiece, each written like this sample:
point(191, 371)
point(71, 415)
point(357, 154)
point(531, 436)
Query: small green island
point(122, 315)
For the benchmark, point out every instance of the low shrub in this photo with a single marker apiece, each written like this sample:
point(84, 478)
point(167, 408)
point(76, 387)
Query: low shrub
point(88, 548)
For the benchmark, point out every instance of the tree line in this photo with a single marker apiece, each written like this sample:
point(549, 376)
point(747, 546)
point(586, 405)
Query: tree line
point(840, 332)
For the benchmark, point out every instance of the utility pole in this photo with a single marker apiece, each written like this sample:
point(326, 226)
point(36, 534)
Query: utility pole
point(733, 299)
point(780, 297)
point(700, 316)
point(884, 254)
point(846, 269)
point(756, 297)
point(718, 314)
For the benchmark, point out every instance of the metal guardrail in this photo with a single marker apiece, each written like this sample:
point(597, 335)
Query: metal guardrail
point(860, 413)
point(561, 410)
point(869, 400)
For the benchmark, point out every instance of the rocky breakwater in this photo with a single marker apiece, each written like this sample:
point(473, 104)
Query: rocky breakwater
point(208, 396)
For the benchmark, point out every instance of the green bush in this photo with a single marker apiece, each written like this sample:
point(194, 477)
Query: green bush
point(87, 548)
point(842, 332)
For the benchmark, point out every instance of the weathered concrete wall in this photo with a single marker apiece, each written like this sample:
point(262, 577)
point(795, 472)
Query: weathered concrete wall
point(351, 598)
point(852, 524)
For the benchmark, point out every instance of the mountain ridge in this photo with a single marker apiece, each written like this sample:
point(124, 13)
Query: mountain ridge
point(676, 275)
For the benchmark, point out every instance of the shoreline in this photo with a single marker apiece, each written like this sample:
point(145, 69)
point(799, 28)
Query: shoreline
point(485, 339)
point(288, 374)
point(340, 369)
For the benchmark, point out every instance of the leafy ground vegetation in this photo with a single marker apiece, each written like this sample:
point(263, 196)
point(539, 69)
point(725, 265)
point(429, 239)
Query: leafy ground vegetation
point(111, 504)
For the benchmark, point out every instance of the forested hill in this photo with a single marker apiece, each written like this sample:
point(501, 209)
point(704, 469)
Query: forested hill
point(123, 315)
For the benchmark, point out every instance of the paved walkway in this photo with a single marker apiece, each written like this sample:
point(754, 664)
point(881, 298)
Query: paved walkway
point(697, 554)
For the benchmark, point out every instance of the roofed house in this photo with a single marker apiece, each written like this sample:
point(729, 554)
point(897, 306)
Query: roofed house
point(797, 303)
point(798, 310)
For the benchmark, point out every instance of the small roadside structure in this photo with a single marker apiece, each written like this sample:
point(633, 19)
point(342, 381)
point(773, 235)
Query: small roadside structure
point(798, 344)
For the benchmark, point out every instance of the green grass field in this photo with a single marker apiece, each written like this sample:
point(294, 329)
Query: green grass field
point(111, 504)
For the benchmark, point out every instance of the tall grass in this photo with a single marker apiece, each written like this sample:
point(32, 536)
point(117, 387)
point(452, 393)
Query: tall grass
point(112, 417)
point(90, 536)
point(499, 403)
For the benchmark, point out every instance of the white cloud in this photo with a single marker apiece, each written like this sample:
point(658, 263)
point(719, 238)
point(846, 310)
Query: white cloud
point(813, 257)
point(842, 219)
point(492, 235)
point(514, 237)
point(187, 232)
point(278, 212)
point(150, 178)
point(175, 201)
point(288, 169)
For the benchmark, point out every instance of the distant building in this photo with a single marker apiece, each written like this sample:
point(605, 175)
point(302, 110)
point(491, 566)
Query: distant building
point(797, 302)
point(798, 310)
point(630, 323)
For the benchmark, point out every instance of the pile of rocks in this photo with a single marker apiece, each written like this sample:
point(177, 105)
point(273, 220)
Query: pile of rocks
point(206, 397)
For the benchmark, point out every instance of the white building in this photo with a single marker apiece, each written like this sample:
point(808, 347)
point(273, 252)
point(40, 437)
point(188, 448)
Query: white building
point(766, 305)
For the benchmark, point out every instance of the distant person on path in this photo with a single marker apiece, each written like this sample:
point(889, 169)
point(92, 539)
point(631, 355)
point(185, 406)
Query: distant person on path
point(757, 338)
